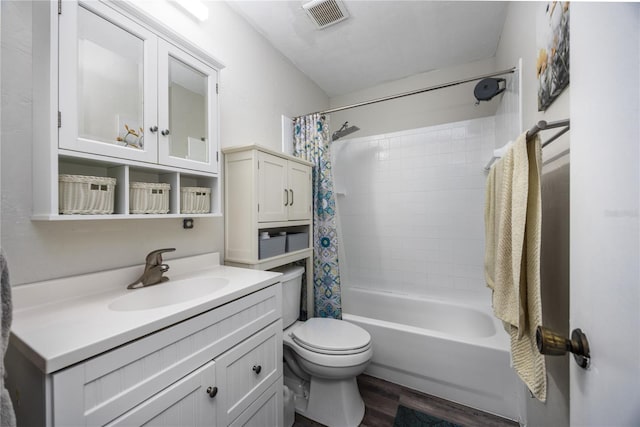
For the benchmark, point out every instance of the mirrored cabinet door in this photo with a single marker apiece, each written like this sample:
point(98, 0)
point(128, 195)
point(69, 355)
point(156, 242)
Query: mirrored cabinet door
point(187, 110)
point(108, 81)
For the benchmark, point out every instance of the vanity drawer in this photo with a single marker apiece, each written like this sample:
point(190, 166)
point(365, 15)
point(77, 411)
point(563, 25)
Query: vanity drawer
point(100, 389)
point(266, 411)
point(246, 371)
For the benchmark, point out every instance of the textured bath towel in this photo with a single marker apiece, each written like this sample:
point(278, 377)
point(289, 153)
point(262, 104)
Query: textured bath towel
point(7, 416)
point(513, 216)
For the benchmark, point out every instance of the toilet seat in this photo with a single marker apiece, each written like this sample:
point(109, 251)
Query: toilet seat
point(331, 336)
point(347, 358)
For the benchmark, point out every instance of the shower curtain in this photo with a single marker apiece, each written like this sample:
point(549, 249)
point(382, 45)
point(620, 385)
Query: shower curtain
point(312, 140)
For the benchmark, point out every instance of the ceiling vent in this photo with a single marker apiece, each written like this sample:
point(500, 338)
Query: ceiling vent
point(325, 13)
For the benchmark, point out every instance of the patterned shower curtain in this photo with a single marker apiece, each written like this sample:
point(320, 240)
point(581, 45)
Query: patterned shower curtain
point(312, 140)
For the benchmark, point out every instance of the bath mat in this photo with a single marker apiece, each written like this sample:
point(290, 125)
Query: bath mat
point(406, 417)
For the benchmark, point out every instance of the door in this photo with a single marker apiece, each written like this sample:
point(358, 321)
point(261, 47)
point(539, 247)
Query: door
point(273, 193)
point(107, 83)
point(187, 110)
point(299, 191)
point(188, 402)
point(247, 370)
point(605, 206)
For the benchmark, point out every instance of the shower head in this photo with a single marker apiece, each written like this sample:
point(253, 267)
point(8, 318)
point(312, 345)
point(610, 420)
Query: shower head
point(344, 130)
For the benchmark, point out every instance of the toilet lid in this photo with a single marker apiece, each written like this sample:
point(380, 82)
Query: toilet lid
point(331, 336)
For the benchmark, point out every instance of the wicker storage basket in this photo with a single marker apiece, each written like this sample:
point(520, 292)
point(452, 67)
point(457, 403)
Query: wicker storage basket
point(195, 200)
point(85, 195)
point(149, 198)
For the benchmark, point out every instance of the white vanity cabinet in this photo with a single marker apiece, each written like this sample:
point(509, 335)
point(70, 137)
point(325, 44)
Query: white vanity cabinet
point(218, 368)
point(119, 95)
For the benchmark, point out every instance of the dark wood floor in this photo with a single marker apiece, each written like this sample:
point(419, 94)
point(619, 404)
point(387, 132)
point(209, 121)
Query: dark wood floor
point(381, 399)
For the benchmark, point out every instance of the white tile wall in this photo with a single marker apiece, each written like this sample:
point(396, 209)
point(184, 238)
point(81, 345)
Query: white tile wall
point(411, 207)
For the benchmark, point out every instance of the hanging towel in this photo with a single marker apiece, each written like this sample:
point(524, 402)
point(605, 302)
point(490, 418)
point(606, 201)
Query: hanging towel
point(512, 255)
point(7, 416)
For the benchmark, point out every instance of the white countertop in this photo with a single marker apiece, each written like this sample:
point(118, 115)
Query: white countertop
point(61, 322)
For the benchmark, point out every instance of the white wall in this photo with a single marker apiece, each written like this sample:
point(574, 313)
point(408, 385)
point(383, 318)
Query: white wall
point(605, 202)
point(518, 40)
point(411, 208)
point(258, 85)
point(426, 109)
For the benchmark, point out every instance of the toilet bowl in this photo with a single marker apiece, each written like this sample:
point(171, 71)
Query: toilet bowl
point(333, 397)
point(322, 359)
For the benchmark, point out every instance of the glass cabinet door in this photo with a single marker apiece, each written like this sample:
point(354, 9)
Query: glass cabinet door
point(108, 83)
point(187, 110)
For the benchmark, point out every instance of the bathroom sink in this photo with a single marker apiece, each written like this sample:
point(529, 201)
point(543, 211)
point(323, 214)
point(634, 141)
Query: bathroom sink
point(168, 293)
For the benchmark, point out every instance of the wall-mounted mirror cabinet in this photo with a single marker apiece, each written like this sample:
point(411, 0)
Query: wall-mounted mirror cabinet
point(114, 86)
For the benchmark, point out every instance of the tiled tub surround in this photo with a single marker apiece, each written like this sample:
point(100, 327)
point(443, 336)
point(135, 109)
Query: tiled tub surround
point(411, 211)
point(410, 207)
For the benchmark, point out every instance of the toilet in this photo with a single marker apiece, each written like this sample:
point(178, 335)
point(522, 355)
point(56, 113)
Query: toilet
point(322, 359)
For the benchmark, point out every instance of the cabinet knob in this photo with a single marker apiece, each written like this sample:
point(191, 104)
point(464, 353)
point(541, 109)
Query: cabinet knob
point(165, 132)
point(257, 369)
point(153, 129)
point(286, 197)
point(212, 391)
point(291, 204)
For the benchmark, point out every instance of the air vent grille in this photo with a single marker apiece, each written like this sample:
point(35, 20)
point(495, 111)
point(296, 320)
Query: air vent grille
point(324, 13)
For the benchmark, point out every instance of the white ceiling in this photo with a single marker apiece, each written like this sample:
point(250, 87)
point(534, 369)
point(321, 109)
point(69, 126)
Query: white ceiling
point(381, 40)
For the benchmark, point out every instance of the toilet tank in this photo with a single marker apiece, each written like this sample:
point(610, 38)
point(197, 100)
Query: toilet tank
point(291, 289)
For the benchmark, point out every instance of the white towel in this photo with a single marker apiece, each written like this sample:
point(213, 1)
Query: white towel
point(512, 255)
point(7, 416)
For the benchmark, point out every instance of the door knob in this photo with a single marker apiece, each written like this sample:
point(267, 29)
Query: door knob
point(212, 391)
point(553, 344)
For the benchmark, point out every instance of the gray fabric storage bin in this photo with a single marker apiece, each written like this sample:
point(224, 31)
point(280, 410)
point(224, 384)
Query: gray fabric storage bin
point(273, 246)
point(297, 241)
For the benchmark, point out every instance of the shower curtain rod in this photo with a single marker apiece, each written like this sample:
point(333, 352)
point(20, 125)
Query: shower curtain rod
point(415, 92)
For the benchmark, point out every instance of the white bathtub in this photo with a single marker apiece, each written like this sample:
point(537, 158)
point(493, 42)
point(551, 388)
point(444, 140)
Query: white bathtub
point(444, 348)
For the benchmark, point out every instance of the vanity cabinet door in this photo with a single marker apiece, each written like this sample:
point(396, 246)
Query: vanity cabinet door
point(188, 402)
point(187, 110)
point(107, 83)
point(247, 370)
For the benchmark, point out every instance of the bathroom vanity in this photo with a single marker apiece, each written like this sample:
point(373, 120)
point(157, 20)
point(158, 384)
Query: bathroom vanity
point(204, 348)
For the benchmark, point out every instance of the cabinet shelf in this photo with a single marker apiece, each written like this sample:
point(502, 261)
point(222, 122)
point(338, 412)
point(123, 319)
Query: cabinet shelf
point(119, 216)
point(276, 261)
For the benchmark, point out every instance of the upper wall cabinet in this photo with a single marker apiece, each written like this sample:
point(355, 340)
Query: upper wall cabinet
point(284, 191)
point(118, 94)
point(127, 93)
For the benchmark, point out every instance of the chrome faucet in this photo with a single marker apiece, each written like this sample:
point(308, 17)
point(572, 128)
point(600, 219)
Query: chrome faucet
point(153, 270)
